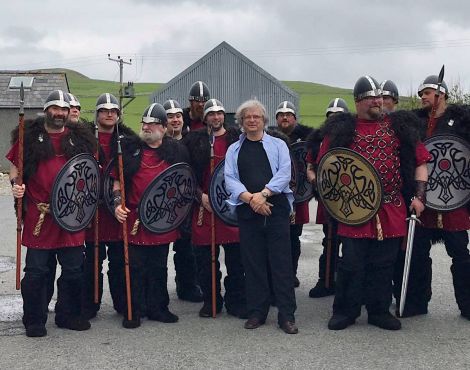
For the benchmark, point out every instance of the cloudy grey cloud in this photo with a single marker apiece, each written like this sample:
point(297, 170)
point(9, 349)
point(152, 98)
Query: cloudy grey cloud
point(320, 41)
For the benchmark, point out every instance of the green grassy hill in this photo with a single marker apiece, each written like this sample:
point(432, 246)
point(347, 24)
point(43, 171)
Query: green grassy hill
point(314, 98)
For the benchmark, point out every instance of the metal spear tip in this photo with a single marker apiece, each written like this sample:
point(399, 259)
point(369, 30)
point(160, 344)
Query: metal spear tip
point(441, 75)
point(21, 92)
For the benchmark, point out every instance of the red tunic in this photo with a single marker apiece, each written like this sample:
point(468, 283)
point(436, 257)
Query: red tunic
point(224, 234)
point(109, 229)
point(301, 213)
point(150, 167)
point(456, 220)
point(322, 214)
point(196, 124)
point(377, 142)
point(38, 190)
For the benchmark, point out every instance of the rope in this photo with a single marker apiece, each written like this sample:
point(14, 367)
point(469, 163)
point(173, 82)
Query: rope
point(43, 208)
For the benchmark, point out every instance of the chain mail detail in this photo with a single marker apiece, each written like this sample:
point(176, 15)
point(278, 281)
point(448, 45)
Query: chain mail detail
point(381, 149)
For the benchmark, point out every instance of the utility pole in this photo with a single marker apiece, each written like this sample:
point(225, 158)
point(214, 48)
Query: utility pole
point(121, 63)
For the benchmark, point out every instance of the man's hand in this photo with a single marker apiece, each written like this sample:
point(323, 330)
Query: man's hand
point(417, 206)
point(205, 202)
point(18, 191)
point(120, 213)
point(265, 209)
point(311, 176)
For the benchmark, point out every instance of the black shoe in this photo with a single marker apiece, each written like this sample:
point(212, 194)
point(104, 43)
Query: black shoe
point(319, 290)
point(411, 311)
point(163, 316)
point(206, 310)
point(131, 324)
point(340, 322)
point(296, 282)
point(466, 314)
point(385, 321)
point(190, 294)
point(36, 330)
point(289, 327)
point(253, 323)
point(73, 323)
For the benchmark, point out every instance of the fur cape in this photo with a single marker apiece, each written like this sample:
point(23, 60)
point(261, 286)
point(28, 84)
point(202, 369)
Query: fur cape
point(125, 133)
point(171, 151)
point(454, 121)
point(198, 145)
point(340, 129)
point(38, 146)
point(300, 132)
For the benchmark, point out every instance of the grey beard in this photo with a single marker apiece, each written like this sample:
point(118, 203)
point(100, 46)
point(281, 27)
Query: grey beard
point(151, 137)
point(55, 123)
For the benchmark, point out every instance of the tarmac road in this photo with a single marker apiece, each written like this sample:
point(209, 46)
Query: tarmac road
point(438, 340)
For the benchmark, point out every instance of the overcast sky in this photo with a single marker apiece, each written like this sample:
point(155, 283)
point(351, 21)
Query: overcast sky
point(329, 42)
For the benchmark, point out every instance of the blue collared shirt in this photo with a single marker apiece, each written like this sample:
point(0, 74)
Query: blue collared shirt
point(279, 160)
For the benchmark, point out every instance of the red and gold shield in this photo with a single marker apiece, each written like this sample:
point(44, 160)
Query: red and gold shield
point(349, 186)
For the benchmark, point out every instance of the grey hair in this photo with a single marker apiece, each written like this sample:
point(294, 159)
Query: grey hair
point(250, 104)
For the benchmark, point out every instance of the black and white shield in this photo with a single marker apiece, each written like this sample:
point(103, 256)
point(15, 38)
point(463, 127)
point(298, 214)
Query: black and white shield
point(107, 187)
point(218, 194)
point(448, 173)
point(75, 193)
point(168, 199)
point(303, 189)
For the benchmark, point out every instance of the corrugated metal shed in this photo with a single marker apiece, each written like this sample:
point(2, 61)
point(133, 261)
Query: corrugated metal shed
point(43, 84)
point(232, 78)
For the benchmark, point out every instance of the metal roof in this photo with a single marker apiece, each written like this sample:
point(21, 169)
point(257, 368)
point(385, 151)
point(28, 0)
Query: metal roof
point(43, 84)
point(232, 78)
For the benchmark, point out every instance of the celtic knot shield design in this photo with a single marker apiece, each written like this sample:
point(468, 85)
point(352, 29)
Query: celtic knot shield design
point(303, 189)
point(168, 199)
point(75, 193)
point(349, 186)
point(218, 194)
point(448, 172)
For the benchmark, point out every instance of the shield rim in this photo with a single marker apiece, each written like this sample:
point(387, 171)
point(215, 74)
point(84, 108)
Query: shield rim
point(364, 220)
point(309, 194)
point(54, 190)
point(107, 175)
point(462, 203)
point(225, 219)
point(150, 186)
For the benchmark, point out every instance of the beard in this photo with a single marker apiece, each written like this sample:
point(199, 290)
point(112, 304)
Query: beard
point(55, 122)
point(375, 112)
point(150, 137)
point(216, 127)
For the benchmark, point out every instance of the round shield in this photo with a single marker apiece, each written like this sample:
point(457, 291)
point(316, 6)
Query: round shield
point(168, 199)
point(303, 189)
point(75, 193)
point(218, 194)
point(349, 186)
point(448, 173)
point(107, 187)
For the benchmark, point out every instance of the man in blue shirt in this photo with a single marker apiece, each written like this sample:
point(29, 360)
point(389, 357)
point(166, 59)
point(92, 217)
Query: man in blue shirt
point(257, 174)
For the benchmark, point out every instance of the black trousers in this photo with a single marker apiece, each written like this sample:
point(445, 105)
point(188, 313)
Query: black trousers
point(419, 290)
point(234, 282)
point(334, 251)
point(185, 265)
point(149, 277)
point(115, 253)
point(295, 233)
point(34, 284)
point(365, 275)
point(265, 241)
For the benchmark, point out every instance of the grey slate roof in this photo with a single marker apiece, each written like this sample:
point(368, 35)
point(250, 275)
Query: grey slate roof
point(43, 84)
point(232, 78)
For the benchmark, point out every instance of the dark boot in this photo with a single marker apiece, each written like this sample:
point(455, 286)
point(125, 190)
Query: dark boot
point(33, 290)
point(116, 276)
point(68, 308)
point(320, 290)
point(187, 288)
point(461, 279)
point(340, 322)
point(50, 277)
point(385, 321)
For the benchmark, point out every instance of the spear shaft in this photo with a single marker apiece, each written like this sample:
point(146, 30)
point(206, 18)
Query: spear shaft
point(432, 117)
point(19, 181)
